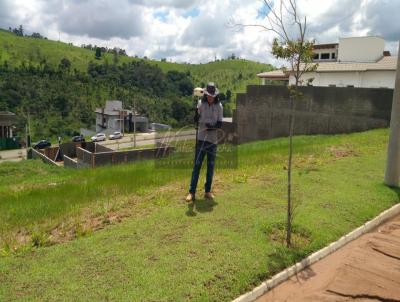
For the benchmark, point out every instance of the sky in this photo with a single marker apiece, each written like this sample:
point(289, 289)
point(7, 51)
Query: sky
point(195, 31)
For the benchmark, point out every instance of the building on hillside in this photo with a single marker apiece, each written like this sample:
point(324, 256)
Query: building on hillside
point(113, 117)
point(353, 62)
point(7, 125)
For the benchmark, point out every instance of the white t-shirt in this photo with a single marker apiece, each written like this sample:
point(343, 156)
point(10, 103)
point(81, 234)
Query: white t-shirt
point(209, 113)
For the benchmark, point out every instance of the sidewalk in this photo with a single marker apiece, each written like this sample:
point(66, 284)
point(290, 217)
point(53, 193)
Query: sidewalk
point(367, 269)
point(12, 155)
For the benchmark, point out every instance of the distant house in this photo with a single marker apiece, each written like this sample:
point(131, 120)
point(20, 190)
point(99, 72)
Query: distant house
point(353, 62)
point(113, 118)
point(7, 124)
point(274, 77)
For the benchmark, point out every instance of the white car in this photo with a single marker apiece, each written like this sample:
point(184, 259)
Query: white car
point(99, 137)
point(115, 135)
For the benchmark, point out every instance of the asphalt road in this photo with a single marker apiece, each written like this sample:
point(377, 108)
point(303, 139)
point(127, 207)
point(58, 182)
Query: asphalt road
point(145, 139)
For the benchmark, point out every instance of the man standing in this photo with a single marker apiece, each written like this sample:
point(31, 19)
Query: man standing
point(209, 117)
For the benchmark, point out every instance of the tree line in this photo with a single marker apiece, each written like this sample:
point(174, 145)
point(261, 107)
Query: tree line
point(19, 31)
point(59, 100)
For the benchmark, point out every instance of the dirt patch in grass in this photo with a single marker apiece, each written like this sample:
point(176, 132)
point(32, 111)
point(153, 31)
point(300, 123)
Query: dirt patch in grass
point(338, 152)
point(276, 233)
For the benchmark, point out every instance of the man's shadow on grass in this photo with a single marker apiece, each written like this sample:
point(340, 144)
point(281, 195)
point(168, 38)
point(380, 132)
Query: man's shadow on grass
point(203, 205)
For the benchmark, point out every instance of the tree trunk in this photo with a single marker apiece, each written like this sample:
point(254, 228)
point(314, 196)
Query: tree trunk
point(289, 205)
point(392, 176)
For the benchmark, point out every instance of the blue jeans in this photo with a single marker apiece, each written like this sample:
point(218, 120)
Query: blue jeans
point(203, 148)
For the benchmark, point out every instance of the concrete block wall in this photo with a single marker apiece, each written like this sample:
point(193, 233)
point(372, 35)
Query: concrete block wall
point(69, 162)
point(84, 157)
point(263, 112)
point(89, 159)
point(101, 148)
point(39, 155)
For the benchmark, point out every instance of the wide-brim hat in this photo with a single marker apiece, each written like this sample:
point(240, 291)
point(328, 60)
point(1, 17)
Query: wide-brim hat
point(211, 90)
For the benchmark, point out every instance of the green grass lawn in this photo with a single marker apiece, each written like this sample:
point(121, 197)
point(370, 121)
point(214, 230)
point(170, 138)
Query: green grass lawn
point(151, 246)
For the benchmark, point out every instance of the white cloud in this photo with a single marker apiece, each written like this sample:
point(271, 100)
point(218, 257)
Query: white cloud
point(193, 31)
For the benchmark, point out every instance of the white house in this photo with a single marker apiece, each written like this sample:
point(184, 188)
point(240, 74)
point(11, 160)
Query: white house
point(353, 62)
point(113, 117)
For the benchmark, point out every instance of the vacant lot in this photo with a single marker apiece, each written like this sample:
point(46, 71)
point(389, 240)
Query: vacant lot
point(125, 234)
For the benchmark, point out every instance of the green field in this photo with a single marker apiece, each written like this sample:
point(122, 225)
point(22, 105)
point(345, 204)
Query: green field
point(124, 233)
point(228, 74)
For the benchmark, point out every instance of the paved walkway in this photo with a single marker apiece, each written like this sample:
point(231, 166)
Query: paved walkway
point(12, 155)
point(367, 269)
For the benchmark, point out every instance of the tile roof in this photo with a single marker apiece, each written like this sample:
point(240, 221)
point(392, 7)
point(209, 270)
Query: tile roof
point(275, 74)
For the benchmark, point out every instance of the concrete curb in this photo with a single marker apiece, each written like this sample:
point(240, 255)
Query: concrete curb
point(332, 247)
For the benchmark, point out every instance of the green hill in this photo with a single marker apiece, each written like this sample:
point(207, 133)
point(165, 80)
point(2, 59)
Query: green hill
point(228, 74)
point(58, 85)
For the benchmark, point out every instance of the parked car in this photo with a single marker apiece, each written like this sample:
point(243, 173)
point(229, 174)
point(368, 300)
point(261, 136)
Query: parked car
point(42, 144)
point(78, 138)
point(99, 137)
point(115, 135)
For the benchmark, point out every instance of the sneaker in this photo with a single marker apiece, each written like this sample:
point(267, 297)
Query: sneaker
point(209, 195)
point(190, 197)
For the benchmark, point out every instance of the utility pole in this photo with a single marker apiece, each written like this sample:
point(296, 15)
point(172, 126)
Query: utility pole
point(134, 123)
point(123, 122)
point(120, 120)
point(29, 131)
point(392, 176)
point(26, 136)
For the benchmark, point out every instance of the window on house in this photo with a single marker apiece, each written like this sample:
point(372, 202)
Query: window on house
point(333, 55)
point(325, 56)
point(332, 85)
point(316, 56)
point(352, 86)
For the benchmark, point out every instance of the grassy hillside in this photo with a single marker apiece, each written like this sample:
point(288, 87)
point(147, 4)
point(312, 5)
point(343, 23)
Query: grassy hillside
point(128, 235)
point(228, 74)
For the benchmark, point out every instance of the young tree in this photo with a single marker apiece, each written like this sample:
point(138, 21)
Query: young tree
point(37, 36)
point(291, 45)
point(115, 58)
point(98, 53)
point(228, 95)
point(65, 65)
point(19, 31)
